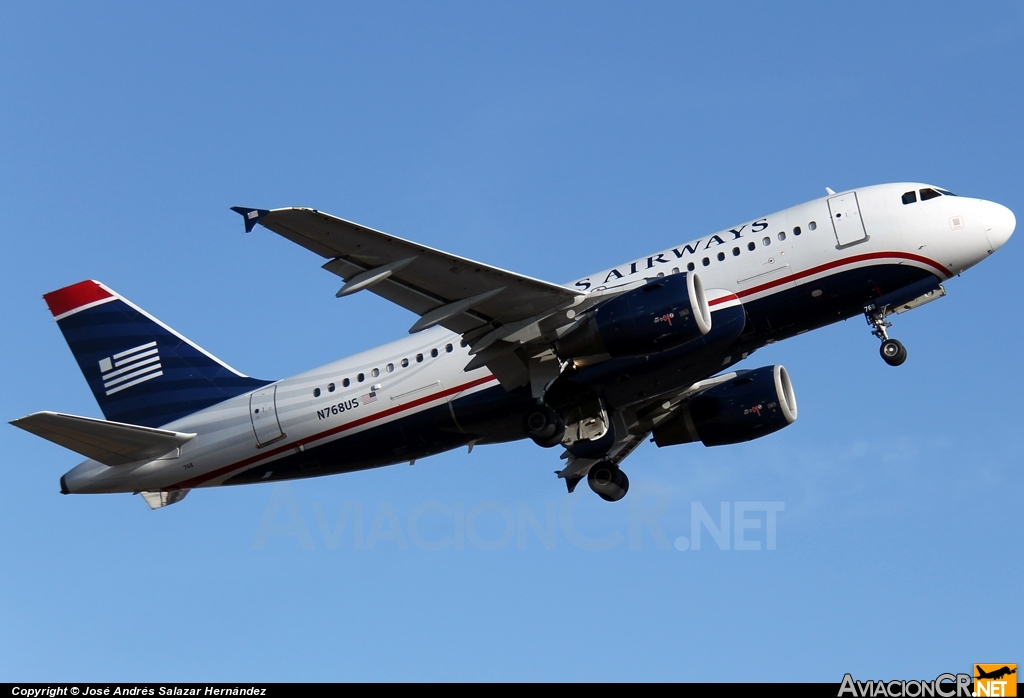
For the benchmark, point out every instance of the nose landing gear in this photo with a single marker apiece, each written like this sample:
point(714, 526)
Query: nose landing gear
point(892, 350)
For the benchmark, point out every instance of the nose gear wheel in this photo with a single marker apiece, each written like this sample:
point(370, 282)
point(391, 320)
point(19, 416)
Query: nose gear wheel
point(892, 350)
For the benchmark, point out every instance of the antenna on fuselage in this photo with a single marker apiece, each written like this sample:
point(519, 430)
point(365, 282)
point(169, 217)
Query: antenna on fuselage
point(828, 190)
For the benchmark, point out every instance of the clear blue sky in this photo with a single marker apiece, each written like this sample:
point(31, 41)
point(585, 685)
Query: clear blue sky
point(554, 139)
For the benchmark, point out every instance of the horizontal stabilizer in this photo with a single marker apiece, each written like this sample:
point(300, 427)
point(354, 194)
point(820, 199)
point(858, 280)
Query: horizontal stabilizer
point(110, 443)
point(159, 499)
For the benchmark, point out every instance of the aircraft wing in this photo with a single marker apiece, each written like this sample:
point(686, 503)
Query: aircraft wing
point(415, 276)
point(497, 311)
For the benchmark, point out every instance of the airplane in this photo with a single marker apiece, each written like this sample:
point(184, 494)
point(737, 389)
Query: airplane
point(995, 674)
point(595, 366)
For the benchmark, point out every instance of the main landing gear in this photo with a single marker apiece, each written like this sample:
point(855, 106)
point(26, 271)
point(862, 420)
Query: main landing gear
point(607, 481)
point(544, 426)
point(892, 350)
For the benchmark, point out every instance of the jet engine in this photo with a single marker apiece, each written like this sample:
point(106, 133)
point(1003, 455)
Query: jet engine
point(749, 406)
point(660, 315)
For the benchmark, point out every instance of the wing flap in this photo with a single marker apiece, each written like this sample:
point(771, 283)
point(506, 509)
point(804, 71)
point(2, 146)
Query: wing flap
point(110, 443)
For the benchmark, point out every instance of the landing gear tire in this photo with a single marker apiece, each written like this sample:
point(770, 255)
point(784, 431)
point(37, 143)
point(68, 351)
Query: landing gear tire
point(607, 481)
point(543, 425)
point(893, 352)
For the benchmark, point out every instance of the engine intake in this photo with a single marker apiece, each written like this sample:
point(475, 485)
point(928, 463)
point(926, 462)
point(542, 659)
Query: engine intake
point(751, 405)
point(660, 315)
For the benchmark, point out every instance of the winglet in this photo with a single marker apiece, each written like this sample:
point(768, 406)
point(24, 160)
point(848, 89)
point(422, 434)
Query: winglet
point(251, 216)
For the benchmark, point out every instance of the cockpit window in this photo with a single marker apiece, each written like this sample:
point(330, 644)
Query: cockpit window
point(929, 194)
point(946, 192)
point(910, 197)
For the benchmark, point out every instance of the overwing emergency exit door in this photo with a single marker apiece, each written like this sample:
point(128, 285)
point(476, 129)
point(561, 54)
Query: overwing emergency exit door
point(263, 411)
point(846, 220)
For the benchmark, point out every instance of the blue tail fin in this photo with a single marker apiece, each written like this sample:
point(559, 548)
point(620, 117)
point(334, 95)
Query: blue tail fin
point(140, 371)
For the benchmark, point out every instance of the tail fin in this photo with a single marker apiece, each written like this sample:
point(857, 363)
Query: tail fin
point(140, 371)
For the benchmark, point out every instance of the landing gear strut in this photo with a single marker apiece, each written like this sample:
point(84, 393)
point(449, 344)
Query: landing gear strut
point(607, 481)
point(892, 350)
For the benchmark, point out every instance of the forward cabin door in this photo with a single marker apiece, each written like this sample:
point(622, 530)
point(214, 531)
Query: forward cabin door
point(263, 411)
point(846, 220)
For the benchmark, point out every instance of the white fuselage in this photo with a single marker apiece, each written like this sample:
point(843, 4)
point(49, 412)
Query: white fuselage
point(794, 247)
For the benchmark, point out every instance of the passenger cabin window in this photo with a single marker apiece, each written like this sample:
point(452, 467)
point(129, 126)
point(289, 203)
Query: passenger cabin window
point(910, 197)
point(689, 266)
point(405, 363)
point(812, 226)
point(705, 261)
point(929, 194)
point(346, 382)
point(721, 256)
point(751, 246)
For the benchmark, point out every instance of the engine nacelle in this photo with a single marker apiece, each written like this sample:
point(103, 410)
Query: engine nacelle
point(751, 405)
point(660, 315)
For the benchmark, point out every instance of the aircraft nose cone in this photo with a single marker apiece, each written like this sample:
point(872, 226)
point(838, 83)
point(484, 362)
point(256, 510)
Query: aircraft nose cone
point(999, 225)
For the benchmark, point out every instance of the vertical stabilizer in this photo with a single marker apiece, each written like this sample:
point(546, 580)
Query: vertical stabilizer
point(140, 370)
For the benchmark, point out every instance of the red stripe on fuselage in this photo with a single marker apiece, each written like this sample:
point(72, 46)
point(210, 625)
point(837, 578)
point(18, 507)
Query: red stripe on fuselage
point(206, 477)
point(69, 298)
point(832, 265)
point(199, 479)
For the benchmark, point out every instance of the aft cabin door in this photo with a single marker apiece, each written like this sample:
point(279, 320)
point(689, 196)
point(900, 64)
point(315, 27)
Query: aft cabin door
point(263, 411)
point(846, 219)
